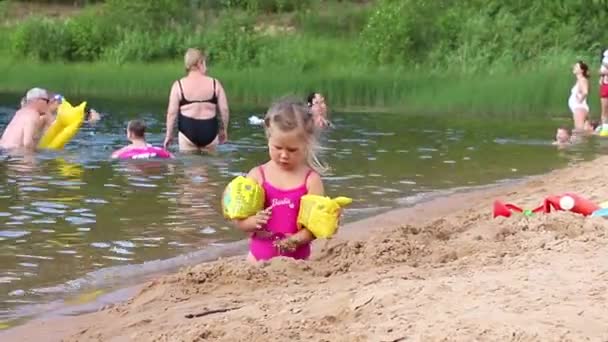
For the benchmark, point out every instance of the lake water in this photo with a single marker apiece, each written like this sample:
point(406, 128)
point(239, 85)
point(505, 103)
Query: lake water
point(73, 220)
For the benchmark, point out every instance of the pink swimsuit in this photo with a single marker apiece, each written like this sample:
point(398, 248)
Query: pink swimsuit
point(144, 153)
point(283, 221)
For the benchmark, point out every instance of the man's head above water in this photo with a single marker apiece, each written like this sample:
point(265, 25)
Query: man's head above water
point(38, 99)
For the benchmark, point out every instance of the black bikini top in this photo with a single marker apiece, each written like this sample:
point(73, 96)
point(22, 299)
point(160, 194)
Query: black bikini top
point(183, 101)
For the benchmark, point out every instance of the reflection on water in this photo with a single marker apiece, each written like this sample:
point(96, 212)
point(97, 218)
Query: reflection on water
point(66, 214)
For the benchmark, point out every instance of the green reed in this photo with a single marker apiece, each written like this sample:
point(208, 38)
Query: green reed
point(542, 92)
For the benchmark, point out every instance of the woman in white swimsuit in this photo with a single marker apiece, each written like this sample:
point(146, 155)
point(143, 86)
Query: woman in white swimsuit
point(578, 95)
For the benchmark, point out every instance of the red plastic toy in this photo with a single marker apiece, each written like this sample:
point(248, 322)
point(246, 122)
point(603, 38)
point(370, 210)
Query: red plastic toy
point(506, 209)
point(566, 202)
point(570, 202)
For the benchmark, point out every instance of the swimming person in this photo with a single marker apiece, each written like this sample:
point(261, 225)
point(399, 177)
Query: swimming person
point(25, 128)
point(55, 101)
point(51, 114)
point(563, 136)
point(292, 172)
point(194, 101)
point(139, 148)
point(592, 127)
point(318, 107)
point(578, 95)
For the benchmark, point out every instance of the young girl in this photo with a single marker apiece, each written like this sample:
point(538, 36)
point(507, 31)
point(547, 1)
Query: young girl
point(139, 148)
point(292, 172)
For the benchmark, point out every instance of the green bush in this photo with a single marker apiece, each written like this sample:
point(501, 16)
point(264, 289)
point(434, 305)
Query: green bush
point(472, 35)
point(138, 46)
point(90, 36)
point(31, 39)
point(402, 31)
point(333, 19)
point(265, 6)
point(82, 38)
point(145, 15)
point(232, 41)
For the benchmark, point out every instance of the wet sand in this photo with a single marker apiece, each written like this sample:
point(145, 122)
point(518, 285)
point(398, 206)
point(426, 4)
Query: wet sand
point(442, 270)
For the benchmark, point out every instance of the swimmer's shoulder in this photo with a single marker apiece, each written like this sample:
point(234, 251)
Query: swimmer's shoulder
point(28, 112)
point(314, 183)
point(256, 174)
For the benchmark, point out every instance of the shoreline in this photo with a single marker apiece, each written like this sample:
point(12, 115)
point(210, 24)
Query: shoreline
point(438, 205)
point(115, 294)
point(412, 250)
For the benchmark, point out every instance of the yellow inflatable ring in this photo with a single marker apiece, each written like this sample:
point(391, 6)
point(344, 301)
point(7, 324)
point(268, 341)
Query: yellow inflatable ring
point(66, 125)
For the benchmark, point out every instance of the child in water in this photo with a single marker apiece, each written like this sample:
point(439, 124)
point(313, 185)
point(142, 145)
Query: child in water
point(292, 172)
point(139, 148)
point(563, 136)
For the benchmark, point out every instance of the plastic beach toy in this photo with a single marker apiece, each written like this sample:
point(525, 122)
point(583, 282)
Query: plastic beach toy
point(506, 209)
point(148, 152)
point(566, 202)
point(243, 197)
point(66, 125)
point(571, 202)
point(602, 212)
point(320, 214)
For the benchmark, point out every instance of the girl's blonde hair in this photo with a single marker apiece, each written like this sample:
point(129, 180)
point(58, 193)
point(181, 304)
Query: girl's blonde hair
point(192, 57)
point(290, 113)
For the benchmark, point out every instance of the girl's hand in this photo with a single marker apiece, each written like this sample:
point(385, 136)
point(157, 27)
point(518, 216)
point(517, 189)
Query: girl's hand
point(288, 244)
point(255, 224)
point(262, 217)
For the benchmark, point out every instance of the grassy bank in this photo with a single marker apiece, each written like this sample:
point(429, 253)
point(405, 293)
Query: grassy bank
point(541, 92)
point(469, 57)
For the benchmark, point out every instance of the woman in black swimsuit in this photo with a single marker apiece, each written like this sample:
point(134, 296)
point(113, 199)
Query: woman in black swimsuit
point(194, 101)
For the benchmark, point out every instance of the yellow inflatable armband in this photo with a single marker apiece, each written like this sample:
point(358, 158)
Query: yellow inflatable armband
point(243, 198)
point(320, 214)
point(66, 125)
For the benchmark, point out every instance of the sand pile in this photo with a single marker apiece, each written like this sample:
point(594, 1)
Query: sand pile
point(410, 282)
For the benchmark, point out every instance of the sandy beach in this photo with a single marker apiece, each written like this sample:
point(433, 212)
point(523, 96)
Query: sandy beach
point(444, 270)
